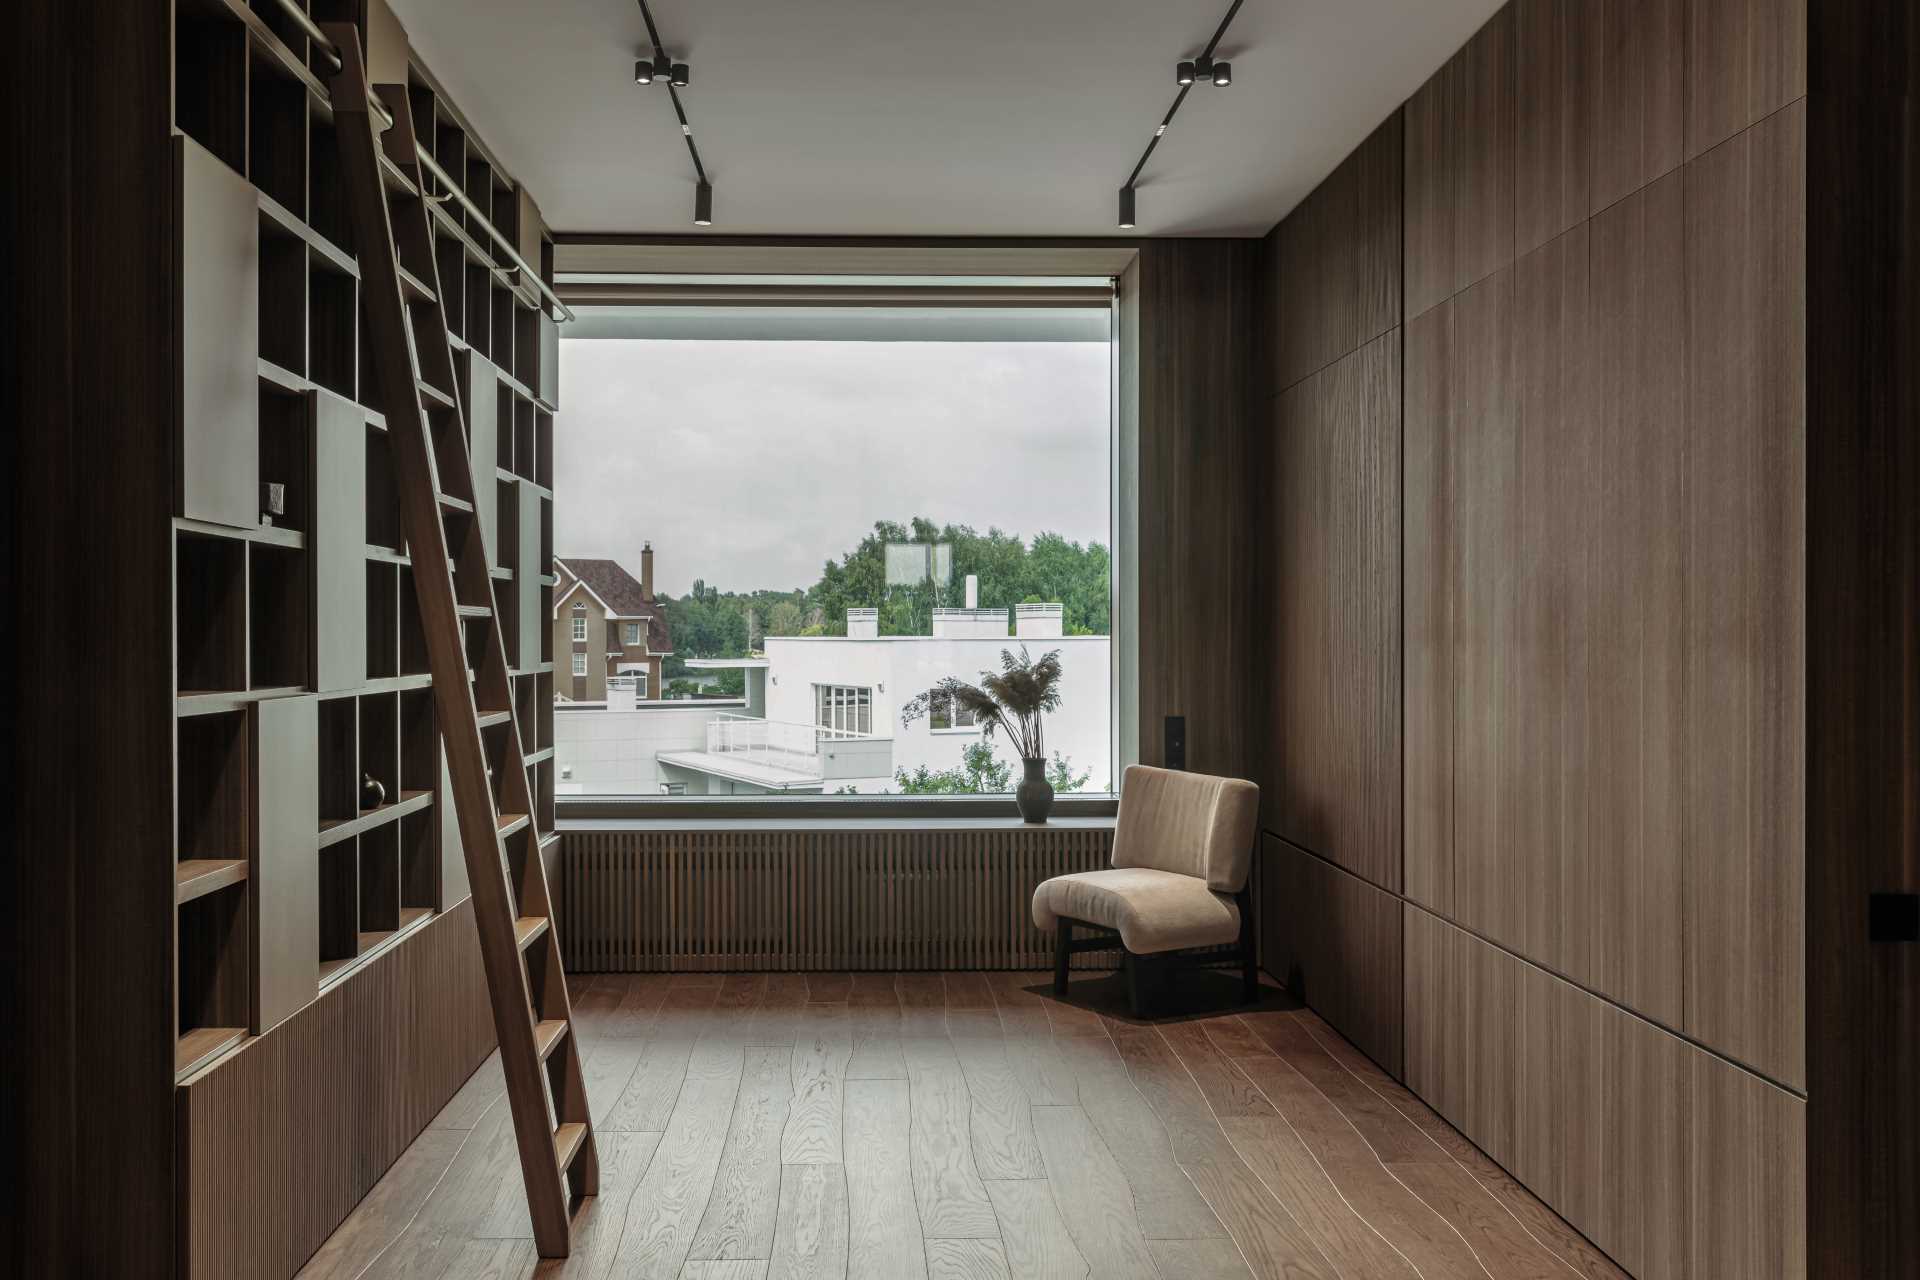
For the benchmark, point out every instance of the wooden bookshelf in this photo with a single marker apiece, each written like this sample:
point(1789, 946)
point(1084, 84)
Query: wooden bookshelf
point(300, 669)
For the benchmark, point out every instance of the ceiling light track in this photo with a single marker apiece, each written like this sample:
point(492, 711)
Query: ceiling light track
point(677, 76)
point(1201, 69)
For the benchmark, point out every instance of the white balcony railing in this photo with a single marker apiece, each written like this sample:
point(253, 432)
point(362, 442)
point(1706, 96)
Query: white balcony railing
point(778, 744)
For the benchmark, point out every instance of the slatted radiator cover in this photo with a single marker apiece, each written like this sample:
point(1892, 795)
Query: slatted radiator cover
point(683, 901)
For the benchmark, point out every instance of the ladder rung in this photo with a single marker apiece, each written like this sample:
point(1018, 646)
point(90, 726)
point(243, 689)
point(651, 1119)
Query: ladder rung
point(527, 928)
point(547, 1034)
point(566, 1143)
point(450, 503)
point(435, 394)
point(473, 611)
point(510, 823)
point(413, 287)
point(488, 719)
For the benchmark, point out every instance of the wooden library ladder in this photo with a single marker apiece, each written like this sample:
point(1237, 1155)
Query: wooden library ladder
point(413, 362)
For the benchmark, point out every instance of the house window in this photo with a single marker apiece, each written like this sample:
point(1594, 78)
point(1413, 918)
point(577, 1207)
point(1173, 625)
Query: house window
point(633, 634)
point(579, 624)
point(943, 715)
point(579, 664)
point(846, 708)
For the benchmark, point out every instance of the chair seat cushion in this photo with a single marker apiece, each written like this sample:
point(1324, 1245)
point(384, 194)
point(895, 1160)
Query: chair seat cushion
point(1153, 910)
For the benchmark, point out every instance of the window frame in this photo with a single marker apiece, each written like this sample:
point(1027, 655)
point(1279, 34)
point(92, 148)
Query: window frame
point(1119, 262)
point(631, 634)
point(579, 664)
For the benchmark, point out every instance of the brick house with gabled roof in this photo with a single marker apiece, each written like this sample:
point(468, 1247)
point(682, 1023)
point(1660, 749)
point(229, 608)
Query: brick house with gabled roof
point(607, 623)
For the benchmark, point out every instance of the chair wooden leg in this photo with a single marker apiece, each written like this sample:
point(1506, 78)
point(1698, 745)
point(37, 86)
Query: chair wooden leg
point(1062, 949)
point(1250, 977)
point(1131, 963)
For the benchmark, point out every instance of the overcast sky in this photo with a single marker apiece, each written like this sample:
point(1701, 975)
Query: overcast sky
point(749, 464)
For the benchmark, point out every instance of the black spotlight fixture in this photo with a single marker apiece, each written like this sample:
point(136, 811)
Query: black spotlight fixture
point(1199, 69)
point(662, 64)
point(703, 205)
point(682, 73)
point(643, 71)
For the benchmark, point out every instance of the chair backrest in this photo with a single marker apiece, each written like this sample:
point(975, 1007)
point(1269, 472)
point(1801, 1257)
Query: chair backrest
point(1191, 823)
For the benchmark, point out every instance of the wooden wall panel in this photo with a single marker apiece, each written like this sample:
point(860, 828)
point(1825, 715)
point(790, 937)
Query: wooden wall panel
point(1338, 947)
point(1484, 98)
point(1557, 492)
point(1553, 52)
point(1745, 60)
point(1432, 144)
point(1483, 587)
point(1335, 783)
point(1863, 658)
point(1428, 608)
point(1635, 709)
point(280, 1140)
point(1745, 806)
point(1339, 254)
point(1197, 563)
point(1638, 95)
point(1676, 1162)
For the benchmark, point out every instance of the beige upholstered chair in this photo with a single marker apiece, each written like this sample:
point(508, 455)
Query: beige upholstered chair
point(1182, 850)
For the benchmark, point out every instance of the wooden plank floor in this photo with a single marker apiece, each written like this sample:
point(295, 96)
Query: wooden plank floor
point(918, 1126)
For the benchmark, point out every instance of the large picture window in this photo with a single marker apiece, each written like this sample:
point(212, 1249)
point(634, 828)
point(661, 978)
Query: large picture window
point(826, 512)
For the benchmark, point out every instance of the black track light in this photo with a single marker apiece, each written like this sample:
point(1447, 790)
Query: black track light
point(681, 74)
point(1223, 74)
point(703, 205)
point(1203, 68)
point(643, 71)
point(662, 64)
point(1184, 74)
point(1126, 206)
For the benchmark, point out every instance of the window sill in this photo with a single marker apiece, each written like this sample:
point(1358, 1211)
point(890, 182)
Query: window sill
point(853, 813)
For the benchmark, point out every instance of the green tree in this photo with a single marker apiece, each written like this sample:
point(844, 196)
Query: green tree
point(1060, 773)
point(979, 772)
point(784, 619)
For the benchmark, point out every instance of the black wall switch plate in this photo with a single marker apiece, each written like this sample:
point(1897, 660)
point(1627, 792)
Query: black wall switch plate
point(1893, 917)
point(1174, 755)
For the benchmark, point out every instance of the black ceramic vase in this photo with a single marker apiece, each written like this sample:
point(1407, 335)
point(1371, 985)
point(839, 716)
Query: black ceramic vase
point(1034, 794)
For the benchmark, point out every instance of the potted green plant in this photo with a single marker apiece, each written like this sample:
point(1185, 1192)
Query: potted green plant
point(1015, 700)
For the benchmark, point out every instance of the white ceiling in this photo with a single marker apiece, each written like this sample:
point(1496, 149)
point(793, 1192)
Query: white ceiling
point(929, 117)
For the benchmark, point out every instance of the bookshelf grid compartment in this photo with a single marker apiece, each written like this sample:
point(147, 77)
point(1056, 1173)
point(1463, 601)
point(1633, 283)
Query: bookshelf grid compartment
point(273, 531)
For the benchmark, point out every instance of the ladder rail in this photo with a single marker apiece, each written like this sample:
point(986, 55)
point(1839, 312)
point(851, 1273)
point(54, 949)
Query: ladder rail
point(442, 562)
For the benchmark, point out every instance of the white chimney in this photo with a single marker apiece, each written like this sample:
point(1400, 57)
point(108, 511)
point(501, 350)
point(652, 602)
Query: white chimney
point(973, 591)
point(863, 624)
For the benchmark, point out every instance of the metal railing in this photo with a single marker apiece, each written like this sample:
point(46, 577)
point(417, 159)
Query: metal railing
point(778, 744)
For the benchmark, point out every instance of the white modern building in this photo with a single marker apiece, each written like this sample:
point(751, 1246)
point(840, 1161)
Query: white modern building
point(823, 713)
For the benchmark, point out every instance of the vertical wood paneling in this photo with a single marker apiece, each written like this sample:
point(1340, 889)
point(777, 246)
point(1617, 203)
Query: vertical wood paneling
point(1635, 708)
point(1429, 459)
point(1745, 60)
point(1554, 45)
point(1639, 81)
point(1746, 597)
point(1197, 562)
point(279, 1141)
point(1749, 1190)
point(689, 901)
point(1338, 944)
point(1555, 470)
point(1863, 660)
point(1433, 143)
point(1674, 1161)
point(1339, 254)
point(1486, 94)
point(1484, 583)
point(1335, 594)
